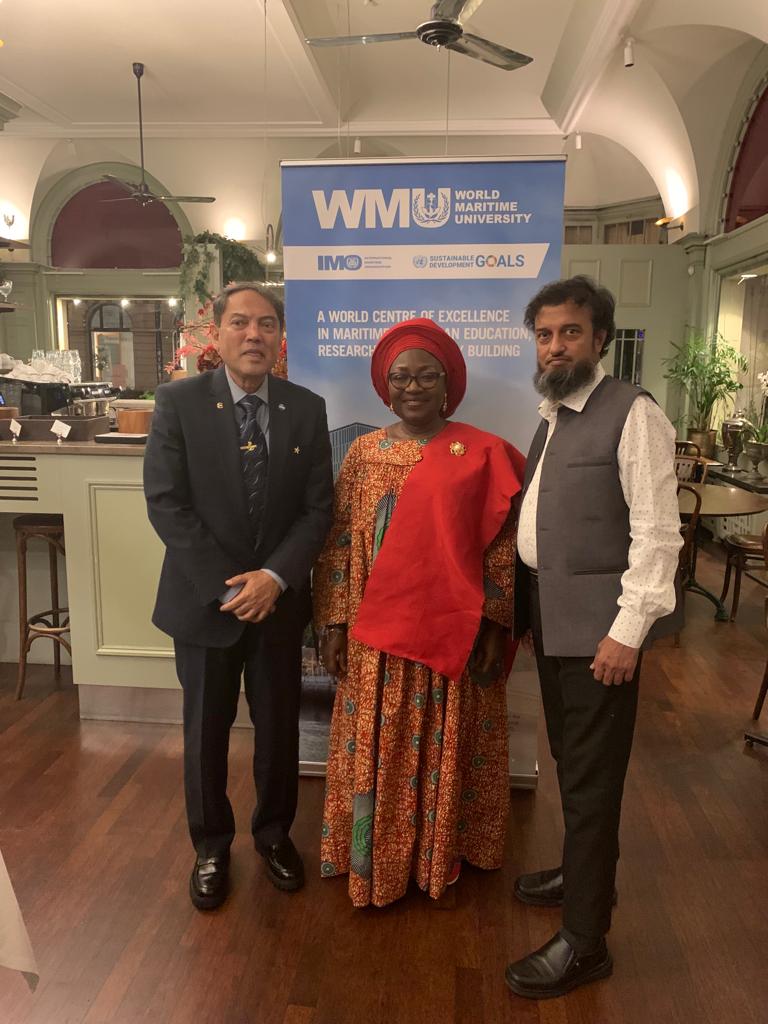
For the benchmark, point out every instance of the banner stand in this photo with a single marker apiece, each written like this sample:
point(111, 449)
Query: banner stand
point(465, 242)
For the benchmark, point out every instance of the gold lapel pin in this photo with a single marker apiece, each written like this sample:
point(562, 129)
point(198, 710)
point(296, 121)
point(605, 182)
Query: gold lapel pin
point(219, 405)
point(457, 448)
point(297, 451)
point(281, 407)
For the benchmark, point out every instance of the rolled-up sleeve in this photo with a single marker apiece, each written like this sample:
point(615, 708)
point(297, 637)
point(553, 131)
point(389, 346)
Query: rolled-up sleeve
point(646, 457)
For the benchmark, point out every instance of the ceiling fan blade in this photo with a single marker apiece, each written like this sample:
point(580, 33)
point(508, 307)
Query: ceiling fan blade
point(492, 53)
point(186, 199)
point(380, 37)
point(119, 181)
point(12, 243)
point(455, 10)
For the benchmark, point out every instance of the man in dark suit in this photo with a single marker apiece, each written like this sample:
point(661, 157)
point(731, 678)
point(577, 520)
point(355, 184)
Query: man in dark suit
point(238, 481)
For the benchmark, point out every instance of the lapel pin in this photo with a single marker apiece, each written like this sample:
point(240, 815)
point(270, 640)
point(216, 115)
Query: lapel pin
point(281, 407)
point(297, 451)
point(457, 448)
point(219, 405)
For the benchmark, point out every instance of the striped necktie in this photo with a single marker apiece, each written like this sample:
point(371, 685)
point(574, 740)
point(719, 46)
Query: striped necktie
point(255, 460)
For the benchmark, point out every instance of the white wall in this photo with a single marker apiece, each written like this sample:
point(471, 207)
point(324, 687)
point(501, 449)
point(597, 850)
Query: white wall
point(650, 283)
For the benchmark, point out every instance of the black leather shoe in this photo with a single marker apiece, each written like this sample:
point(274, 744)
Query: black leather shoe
point(544, 888)
point(557, 968)
point(284, 867)
point(209, 883)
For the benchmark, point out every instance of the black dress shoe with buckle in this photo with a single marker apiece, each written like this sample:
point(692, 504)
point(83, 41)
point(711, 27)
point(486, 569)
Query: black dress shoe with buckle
point(544, 888)
point(557, 968)
point(284, 867)
point(209, 883)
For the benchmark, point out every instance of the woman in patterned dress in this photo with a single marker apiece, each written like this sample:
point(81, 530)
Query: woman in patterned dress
point(413, 598)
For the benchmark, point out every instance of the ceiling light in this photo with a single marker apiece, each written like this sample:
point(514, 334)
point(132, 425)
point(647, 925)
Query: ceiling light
point(746, 277)
point(629, 53)
point(125, 303)
point(234, 228)
point(76, 302)
point(173, 303)
point(578, 140)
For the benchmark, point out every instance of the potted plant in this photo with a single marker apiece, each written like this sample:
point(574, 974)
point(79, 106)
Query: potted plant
point(756, 444)
point(706, 368)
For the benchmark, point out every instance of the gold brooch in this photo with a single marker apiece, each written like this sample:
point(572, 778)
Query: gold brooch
point(457, 448)
point(219, 405)
point(296, 451)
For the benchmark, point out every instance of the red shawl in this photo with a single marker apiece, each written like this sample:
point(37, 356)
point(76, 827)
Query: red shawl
point(424, 597)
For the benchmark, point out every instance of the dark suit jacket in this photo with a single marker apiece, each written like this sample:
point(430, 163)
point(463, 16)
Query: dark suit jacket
point(193, 484)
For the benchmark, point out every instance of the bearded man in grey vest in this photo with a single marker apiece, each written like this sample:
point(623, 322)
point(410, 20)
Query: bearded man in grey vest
point(598, 543)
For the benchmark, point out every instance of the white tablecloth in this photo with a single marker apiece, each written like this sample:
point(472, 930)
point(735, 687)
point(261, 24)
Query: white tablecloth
point(15, 949)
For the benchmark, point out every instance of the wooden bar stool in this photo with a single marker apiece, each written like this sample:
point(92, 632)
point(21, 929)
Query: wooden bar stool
point(54, 622)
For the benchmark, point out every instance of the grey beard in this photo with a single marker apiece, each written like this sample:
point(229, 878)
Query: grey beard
point(561, 381)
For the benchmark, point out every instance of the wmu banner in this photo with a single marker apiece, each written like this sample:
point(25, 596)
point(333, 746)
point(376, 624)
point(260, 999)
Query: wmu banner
point(464, 242)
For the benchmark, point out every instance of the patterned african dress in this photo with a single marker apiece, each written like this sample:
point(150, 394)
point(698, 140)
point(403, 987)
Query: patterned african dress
point(417, 767)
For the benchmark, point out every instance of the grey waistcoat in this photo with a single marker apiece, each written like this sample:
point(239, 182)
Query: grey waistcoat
point(582, 523)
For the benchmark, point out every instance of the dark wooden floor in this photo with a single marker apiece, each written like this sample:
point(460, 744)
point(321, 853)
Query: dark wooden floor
point(92, 829)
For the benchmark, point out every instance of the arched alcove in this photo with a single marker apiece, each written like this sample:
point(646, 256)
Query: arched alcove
point(748, 191)
point(101, 228)
point(51, 203)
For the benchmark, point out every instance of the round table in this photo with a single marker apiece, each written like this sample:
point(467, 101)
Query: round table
point(722, 501)
point(717, 501)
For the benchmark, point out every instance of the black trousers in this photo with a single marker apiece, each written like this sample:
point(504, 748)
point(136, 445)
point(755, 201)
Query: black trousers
point(270, 662)
point(590, 729)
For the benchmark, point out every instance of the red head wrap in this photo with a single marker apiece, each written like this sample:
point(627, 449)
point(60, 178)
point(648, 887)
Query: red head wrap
point(426, 335)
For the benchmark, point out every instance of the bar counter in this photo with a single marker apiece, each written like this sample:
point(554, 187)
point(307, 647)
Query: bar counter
point(122, 665)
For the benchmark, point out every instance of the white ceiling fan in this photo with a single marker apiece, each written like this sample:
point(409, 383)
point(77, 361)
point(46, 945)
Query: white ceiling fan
point(142, 193)
point(444, 28)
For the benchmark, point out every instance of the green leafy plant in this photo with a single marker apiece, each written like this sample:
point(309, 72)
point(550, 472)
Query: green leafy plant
point(238, 263)
point(706, 368)
point(758, 432)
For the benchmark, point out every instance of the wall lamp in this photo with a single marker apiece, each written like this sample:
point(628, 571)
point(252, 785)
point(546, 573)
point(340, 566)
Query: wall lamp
point(271, 254)
point(665, 223)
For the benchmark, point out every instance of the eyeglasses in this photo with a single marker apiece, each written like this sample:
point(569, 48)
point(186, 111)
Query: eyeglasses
point(426, 379)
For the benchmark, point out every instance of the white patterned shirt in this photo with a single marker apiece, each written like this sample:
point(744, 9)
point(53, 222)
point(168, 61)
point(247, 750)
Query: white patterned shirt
point(646, 458)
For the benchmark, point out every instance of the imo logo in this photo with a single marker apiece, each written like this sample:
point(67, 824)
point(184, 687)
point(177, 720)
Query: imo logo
point(339, 262)
point(420, 262)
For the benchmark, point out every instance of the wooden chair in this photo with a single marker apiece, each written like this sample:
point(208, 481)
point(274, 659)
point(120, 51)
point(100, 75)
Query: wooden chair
point(742, 550)
point(53, 623)
point(687, 448)
point(764, 685)
point(688, 531)
point(690, 469)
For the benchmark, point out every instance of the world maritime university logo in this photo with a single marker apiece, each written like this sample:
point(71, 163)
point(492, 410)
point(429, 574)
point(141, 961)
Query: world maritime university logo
point(430, 209)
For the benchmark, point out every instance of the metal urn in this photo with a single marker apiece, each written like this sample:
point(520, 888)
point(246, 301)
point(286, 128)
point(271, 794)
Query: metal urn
point(755, 451)
point(733, 432)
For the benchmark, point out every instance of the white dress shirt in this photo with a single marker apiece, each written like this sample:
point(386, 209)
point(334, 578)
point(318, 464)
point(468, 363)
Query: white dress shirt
point(262, 418)
point(646, 458)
